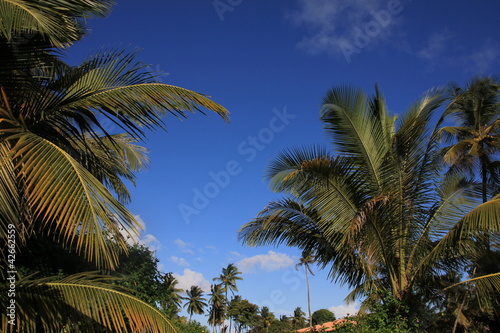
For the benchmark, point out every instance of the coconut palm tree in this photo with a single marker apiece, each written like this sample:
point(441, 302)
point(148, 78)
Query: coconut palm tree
point(218, 305)
point(298, 320)
point(63, 171)
point(266, 318)
point(476, 136)
point(228, 278)
point(196, 303)
point(475, 144)
point(306, 260)
point(377, 212)
point(170, 295)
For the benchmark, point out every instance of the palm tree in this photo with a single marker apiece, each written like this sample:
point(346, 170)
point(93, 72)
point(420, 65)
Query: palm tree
point(377, 213)
point(266, 317)
point(61, 168)
point(306, 260)
point(170, 295)
point(475, 144)
point(218, 306)
point(196, 303)
point(298, 320)
point(476, 135)
point(228, 278)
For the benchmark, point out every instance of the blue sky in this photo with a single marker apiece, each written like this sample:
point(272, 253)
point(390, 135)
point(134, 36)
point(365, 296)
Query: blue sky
point(270, 63)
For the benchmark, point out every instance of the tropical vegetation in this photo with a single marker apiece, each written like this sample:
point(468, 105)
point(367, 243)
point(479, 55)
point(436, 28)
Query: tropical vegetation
point(404, 210)
point(63, 173)
point(391, 210)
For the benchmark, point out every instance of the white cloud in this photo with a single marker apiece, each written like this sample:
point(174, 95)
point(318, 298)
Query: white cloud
point(147, 240)
point(341, 311)
point(269, 262)
point(184, 246)
point(331, 25)
point(179, 261)
point(191, 278)
point(150, 242)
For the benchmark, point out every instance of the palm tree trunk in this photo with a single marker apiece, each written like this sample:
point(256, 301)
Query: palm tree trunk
point(308, 299)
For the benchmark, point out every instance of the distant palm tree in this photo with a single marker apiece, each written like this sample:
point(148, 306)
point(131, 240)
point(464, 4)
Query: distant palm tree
point(266, 317)
point(218, 306)
point(228, 278)
point(196, 304)
point(170, 294)
point(306, 260)
point(298, 320)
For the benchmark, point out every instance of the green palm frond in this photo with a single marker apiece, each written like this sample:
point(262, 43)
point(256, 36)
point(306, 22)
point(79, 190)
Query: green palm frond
point(56, 20)
point(111, 158)
point(356, 128)
point(78, 211)
point(85, 298)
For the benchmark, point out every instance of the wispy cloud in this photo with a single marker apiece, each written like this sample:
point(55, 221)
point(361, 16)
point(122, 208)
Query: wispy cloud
point(482, 60)
point(445, 49)
point(269, 262)
point(184, 246)
point(191, 278)
point(436, 45)
point(179, 261)
point(334, 25)
point(341, 311)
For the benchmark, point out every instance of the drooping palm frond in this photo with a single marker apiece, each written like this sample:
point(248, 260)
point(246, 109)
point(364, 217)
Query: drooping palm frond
point(111, 158)
point(86, 298)
point(70, 201)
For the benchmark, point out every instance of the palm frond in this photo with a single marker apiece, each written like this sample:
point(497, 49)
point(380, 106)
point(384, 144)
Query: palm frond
point(78, 212)
point(86, 298)
point(356, 129)
point(55, 20)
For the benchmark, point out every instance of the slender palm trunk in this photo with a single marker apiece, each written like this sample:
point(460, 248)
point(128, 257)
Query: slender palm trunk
point(308, 298)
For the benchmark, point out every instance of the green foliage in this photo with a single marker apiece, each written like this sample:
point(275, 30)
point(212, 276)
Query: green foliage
point(322, 316)
point(243, 312)
point(191, 326)
point(138, 271)
point(386, 315)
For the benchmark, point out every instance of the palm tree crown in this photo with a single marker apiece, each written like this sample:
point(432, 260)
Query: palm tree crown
point(229, 277)
point(196, 303)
